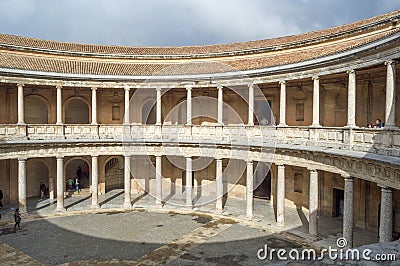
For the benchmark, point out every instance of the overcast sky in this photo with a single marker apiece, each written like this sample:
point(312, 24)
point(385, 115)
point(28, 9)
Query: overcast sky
point(178, 22)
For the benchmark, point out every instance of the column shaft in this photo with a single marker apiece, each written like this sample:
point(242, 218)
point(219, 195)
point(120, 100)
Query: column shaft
point(189, 106)
point(390, 110)
point(95, 181)
point(94, 106)
point(59, 106)
point(282, 104)
point(220, 188)
point(60, 183)
point(315, 122)
point(158, 107)
point(51, 190)
point(220, 104)
point(21, 119)
point(351, 100)
point(158, 181)
point(22, 185)
point(348, 211)
point(313, 204)
point(249, 190)
point(127, 181)
point(126, 106)
point(280, 196)
point(189, 182)
point(386, 223)
point(251, 105)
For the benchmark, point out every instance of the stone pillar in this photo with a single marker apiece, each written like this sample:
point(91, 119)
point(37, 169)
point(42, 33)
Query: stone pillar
point(127, 181)
point(313, 204)
point(220, 104)
point(189, 106)
point(59, 105)
point(348, 213)
point(390, 110)
point(95, 182)
point(351, 99)
point(189, 182)
point(315, 122)
point(21, 119)
point(158, 181)
point(220, 187)
point(386, 222)
point(94, 106)
point(251, 105)
point(51, 190)
point(60, 184)
point(22, 185)
point(158, 107)
point(126, 105)
point(282, 104)
point(280, 196)
point(249, 190)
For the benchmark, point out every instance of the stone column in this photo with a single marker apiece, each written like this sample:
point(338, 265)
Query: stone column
point(189, 106)
point(127, 181)
point(280, 196)
point(251, 105)
point(220, 187)
point(158, 181)
point(22, 185)
point(158, 107)
point(189, 182)
point(313, 204)
point(351, 99)
point(386, 223)
point(348, 217)
point(390, 110)
point(21, 119)
point(59, 105)
point(220, 104)
point(315, 122)
point(249, 190)
point(94, 106)
point(60, 184)
point(282, 104)
point(126, 105)
point(95, 182)
point(51, 190)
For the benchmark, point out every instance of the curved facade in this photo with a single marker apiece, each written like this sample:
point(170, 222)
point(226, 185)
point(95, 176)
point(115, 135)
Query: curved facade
point(288, 117)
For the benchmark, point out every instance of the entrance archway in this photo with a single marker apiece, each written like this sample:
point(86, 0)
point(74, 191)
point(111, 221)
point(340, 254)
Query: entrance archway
point(76, 111)
point(36, 110)
point(114, 173)
point(36, 171)
point(77, 167)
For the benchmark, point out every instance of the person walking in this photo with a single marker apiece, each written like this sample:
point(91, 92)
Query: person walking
point(17, 219)
point(77, 184)
point(42, 190)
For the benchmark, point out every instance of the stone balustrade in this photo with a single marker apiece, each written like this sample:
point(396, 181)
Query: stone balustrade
point(378, 141)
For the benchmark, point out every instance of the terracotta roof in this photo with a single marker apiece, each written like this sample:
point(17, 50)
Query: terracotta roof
point(280, 51)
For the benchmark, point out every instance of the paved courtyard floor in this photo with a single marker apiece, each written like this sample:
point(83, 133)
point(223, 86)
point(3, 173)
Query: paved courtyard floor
point(151, 235)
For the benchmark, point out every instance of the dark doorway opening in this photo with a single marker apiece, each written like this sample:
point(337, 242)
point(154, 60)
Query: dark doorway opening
point(263, 190)
point(184, 180)
point(338, 202)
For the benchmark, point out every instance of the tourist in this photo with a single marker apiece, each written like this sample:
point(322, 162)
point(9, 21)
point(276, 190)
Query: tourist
point(17, 219)
point(70, 183)
point(79, 172)
point(378, 123)
point(42, 190)
point(77, 184)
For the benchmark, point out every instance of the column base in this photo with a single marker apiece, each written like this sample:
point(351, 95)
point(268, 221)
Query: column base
point(127, 205)
point(280, 224)
point(315, 125)
point(95, 206)
point(219, 211)
point(61, 209)
point(249, 217)
point(282, 125)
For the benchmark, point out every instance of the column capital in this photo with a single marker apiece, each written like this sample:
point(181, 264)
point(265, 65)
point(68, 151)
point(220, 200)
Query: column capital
point(158, 155)
point(127, 88)
point(60, 157)
point(188, 157)
point(218, 158)
point(93, 88)
point(22, 159)
point(59, 86)
point(158, 89)
point(20, 85)
point(282, 82)
point(220, 87)
point(315, 77)
point(188, 87)
point(281, 166)
point(250, 85)
point(351, 71)
point(385, 188)
point(249, 162)
point(312, 170)
point(348, 178)
point(95, 156)
point(390, 62)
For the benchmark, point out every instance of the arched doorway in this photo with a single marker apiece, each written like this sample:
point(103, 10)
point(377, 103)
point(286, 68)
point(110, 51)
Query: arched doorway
point(114, 173)
point(36, 171)
point(76, 111)
point(36, 110)
point(77, 167)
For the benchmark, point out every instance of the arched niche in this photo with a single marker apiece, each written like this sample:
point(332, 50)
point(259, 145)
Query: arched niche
point(36, 110)
point(76, 111)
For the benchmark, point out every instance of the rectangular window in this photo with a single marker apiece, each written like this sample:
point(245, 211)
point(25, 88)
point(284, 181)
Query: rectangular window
point(299, 111)
point(115, 112)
